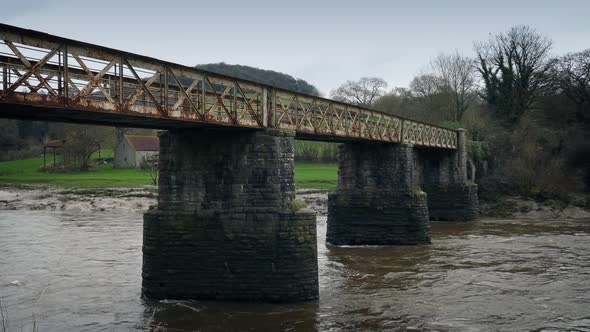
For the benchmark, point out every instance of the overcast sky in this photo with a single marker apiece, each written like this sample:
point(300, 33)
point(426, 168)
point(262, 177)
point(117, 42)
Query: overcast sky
point(323, 42)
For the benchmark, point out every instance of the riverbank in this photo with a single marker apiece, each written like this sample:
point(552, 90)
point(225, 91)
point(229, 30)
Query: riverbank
point(24, 186)
point(39, 198)
point(27, 197)
point(517, 207)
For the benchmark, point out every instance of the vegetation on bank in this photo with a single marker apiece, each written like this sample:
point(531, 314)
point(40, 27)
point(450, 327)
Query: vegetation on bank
point(28, 171)
point(317, 152)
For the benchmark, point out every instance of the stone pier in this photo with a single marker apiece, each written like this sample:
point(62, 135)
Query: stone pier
point(442, 174)
point(387, 193)
point(377, 202)
point(224, 227)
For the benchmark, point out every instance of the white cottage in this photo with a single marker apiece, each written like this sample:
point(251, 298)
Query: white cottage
point(132, 150)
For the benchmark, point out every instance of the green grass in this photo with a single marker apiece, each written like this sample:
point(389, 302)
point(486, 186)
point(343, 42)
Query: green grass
point(105, 176)
point(104, 154)
point(316, 176)
point(307, 175)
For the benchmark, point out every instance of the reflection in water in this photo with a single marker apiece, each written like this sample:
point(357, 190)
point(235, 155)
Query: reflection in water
point(83, 272)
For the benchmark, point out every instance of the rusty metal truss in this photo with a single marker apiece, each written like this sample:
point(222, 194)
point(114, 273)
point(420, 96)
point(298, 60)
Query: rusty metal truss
point(48, 72)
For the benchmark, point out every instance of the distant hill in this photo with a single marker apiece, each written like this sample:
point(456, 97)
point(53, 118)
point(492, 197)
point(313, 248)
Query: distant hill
point(263, 76)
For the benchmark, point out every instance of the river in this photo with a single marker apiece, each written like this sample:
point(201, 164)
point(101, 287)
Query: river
point(81, 271)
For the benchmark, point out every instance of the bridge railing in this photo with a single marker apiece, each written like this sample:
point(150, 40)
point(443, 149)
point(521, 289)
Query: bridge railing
point(38, 69)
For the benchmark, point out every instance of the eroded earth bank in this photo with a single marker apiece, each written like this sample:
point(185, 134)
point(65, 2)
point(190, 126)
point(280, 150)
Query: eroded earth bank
point(141, 199)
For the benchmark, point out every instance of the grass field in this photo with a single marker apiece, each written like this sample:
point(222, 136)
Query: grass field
point(307, 175)
point(316, 176)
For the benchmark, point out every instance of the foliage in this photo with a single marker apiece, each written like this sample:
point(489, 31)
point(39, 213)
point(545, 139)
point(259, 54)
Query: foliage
point(417, 192)
point(403, 102)
point(452, 124)
point(479, 123)
point(296, 205)
point(82, 142)
point(316, 151)
point(476, 151)
point(531, 158)
point(21, 139)
point(514, 67)
point(262, 76)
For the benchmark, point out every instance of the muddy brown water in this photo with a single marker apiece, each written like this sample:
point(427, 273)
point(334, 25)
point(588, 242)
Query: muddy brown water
point(81, 271)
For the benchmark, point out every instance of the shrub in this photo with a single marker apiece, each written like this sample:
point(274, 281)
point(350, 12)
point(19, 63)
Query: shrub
point(151, 167)
point(579, 158)
point(476, 151)
point(296, 205)
point(530, 161)
point(451, 124)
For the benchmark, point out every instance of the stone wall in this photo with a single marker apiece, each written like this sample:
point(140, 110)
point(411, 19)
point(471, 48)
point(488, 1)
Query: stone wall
point(223, 228)
point(124, 154)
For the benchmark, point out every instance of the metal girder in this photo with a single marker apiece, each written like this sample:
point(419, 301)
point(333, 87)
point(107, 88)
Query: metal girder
point(90, 78)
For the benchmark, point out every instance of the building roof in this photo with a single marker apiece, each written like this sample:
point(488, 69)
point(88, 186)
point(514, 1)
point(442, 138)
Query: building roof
point(144, 143)
point(54, 144)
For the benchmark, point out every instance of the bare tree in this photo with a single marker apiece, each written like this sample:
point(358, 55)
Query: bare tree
point(572, 75)
point(82, 141)
point(151, 166)
point(454, 76)
point(424, 86)
point(425, 101)
point(514, 67)
point(392, 103)
point(363, 92)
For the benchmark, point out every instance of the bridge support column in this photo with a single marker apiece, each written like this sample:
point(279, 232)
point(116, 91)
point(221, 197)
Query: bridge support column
point(376, 202)
point(443, 175)
point(223, 228)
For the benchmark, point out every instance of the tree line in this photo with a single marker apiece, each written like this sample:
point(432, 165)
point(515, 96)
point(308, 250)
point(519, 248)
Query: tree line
point(527, 110)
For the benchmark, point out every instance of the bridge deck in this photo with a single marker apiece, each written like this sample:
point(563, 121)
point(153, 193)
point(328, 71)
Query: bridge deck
point(46, 77)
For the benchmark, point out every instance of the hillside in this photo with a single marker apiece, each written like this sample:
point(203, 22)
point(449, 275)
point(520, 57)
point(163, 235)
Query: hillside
point(263, 76)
